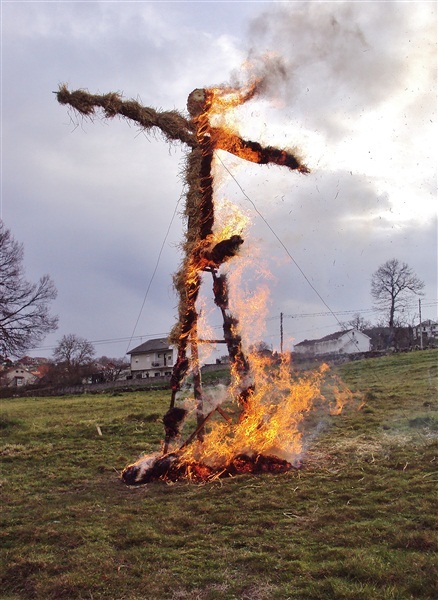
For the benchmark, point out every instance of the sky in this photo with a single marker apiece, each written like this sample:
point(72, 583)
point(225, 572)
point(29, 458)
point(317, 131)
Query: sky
point(97, 204)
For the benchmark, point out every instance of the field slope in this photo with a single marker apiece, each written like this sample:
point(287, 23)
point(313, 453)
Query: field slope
point(356, 522)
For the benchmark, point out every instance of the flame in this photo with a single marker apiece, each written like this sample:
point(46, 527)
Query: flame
point(223, 99)
point(219, 122)
point(230, 220)
point(272, 423)
point(268, 436)
point(258, 423)
point(250, 294)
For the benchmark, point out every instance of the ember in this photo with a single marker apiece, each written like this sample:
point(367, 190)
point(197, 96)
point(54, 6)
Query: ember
point(170, 468)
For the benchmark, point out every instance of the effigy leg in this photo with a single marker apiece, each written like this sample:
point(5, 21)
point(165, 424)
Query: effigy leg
point(197, 384)
point(240, 368)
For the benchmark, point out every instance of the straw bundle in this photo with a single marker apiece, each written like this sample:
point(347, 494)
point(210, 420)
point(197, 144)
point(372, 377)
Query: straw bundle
point(171, 124)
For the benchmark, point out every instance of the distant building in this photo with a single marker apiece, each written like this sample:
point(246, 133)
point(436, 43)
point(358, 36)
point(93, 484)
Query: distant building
point(341, 342)
point(428, 329)
point(154, 358)
point(18, 377)
point(31, 361)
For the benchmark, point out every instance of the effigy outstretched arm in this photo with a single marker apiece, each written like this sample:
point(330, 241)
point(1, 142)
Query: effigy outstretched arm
point(255, 152)
point(171, 123)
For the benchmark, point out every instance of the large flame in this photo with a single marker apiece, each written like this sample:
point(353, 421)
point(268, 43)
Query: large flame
point(258, 423)
point(269, 435)
point(224, 99)
point(272, 423)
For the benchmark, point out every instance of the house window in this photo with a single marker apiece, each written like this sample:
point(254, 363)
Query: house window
point(157, 374)
point(19, 381)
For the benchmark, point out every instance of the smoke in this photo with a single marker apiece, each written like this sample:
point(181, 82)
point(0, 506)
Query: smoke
point(215, 396)
point(323, 46)
point(330, 62)
point(269, 70)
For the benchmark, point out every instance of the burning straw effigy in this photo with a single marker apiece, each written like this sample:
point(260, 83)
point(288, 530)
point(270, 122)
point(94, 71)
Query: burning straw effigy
point(203, 252)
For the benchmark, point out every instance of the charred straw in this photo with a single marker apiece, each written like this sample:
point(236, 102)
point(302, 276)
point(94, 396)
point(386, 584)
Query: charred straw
point(171, 468)
point(224, 250)
point(173, 420)
point(220, 291)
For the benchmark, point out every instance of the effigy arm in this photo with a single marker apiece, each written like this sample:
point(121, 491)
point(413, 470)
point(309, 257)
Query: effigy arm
point(255, 152)
point(171, 123)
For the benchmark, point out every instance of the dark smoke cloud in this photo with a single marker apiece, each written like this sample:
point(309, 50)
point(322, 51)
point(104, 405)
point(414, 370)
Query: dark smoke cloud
point(319, 59)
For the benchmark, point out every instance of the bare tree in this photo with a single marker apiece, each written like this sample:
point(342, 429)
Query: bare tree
point(392, 286)
point(357, 322)
point(24, 306)
point(260, 348)
point(112, 367)
point(73, 355)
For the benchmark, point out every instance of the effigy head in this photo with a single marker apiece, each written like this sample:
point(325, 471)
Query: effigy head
point(198, 102)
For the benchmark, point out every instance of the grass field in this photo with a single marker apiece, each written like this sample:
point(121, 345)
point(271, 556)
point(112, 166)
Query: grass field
point(357, 521)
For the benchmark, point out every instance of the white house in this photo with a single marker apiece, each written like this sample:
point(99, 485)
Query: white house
point(154, 358)
point(428, 329)
point(341, 342)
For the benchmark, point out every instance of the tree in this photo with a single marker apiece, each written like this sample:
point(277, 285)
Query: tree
point(392, 287)
point(73, 356)
point(357, 322)
point(24, 306)
point(260, 348)
point(112, 367)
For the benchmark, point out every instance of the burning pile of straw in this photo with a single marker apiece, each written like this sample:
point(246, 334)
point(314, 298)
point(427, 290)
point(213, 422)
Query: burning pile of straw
point(171, 468)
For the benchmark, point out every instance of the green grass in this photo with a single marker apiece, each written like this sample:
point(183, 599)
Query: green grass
point(356, 522)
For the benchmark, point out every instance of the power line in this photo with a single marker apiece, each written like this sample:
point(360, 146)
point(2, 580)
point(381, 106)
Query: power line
point(154, 272)
point(330, 311)
point(323, 314)
point(275, 317)
point(345, 312)
point(113, 340)
point(281, 243)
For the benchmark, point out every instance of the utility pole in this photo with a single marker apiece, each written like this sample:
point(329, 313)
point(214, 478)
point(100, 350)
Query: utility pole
point(421, 329)
point(281, 333)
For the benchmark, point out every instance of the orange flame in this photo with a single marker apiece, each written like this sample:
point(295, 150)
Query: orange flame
point(270, 435)
point(273, 421)
point(223, 99)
